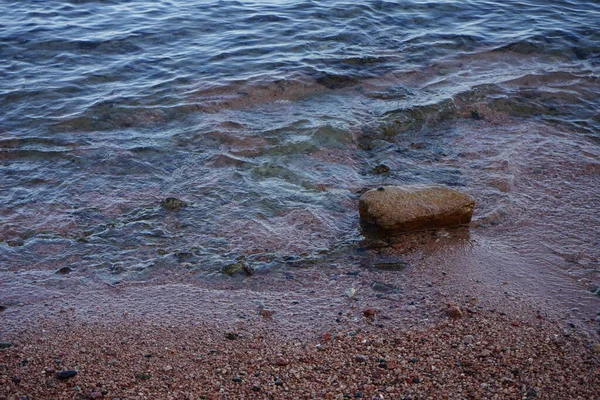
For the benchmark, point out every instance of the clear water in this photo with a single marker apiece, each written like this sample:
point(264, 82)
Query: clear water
point(268, 118)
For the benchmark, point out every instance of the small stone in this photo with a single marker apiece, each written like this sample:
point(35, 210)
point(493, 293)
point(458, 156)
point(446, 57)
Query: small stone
point(281, 362)
point(5, 345)
point(62, 375)
point(148, 355)
point(142, 376)
point(256, 387)
point(369, 313)
point(236, 379)
point(391, 266)
point(383, 287)
point(454, 312)
point(233, 269)
point(95, 395)
point(350, 293)
point(248, 269)
point(16, 379)
point(381, 169)
point(2, 308)
point(231, 336)
point(469, 339)
point(475, 115)
point(64, 270)
point(267, 314)
point(172, 203)
point(361, 358)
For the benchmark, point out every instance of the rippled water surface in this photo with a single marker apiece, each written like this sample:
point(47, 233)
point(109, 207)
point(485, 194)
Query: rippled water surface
point(269, 118)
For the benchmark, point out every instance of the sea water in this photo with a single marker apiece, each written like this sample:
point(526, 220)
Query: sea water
point(269, 118)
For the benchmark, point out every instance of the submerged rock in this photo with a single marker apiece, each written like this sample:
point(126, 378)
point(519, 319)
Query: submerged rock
point(172, 203)
point(417, 207)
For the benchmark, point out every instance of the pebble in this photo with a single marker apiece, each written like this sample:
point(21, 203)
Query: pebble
point(95, 395)
point(454, 312)
point(231, 336)
point(369, 312)
point(361, 358)
point(383, 287)
point(281, 362)
point(2, 308)
point(66, 374)
point(5, 345)
point(16, 379)
point(469, 339)
point(64, 270)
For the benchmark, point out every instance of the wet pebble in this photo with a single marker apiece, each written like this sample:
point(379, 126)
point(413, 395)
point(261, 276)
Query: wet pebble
point(383, 287)
point(369, 312)
point(454, 312)
point(381, 169)
point(66, 374)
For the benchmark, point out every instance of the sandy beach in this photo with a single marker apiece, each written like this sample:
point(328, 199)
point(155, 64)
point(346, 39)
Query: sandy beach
point(430, 332)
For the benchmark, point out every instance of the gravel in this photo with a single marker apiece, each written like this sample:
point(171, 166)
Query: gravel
point(481, 355)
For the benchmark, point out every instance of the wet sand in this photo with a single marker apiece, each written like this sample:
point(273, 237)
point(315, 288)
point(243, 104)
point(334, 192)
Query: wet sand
point(440, 328)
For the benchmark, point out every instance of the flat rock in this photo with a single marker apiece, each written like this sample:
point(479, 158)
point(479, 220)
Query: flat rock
point(416, 207)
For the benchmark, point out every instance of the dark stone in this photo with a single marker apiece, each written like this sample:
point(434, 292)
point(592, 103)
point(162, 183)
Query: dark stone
point(172, 203)
point(231, 336)
point(64, 270)
point(16, 379)
point(381, 169)
point(475, 115)
point(383, 287)
point(2, 308)
point(66, 374)
point(531, 393)
point(391, 266)
point(236, 379)
point(5, 345)
point(142, 376)
point(331, 81)
point(248, 269)
point(147, 355)
point(416, 380)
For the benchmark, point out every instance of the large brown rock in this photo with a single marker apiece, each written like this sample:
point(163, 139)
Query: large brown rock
point(416, 207)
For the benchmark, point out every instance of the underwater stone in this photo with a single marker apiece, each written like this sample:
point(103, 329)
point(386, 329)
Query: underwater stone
point(417, 207)
point(172, 203)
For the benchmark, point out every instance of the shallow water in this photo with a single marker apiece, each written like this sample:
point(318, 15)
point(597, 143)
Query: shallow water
point(269, 118)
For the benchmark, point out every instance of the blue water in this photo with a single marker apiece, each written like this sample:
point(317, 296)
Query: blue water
point(269, 118)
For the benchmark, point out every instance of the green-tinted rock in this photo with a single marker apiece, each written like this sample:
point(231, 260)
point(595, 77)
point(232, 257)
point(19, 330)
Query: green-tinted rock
point(172, 203)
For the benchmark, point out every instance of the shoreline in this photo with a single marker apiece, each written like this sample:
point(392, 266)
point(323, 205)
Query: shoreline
point(481, 354)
